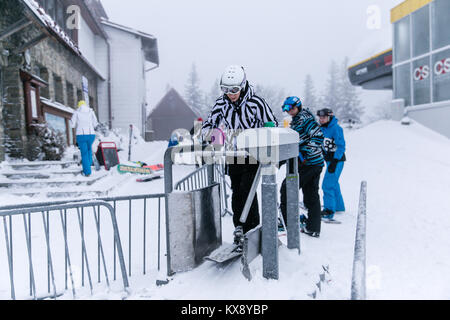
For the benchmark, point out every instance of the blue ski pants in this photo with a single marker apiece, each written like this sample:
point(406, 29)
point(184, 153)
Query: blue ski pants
point(85, 142)
point(332, 196)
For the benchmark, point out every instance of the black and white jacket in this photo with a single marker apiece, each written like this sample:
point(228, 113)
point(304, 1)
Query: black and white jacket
point(250, 111)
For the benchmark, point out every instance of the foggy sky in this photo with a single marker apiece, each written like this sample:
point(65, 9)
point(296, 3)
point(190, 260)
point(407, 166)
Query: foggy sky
point(278, 42)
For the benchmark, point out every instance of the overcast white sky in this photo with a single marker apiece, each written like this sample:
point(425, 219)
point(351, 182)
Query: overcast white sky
point(278, 41)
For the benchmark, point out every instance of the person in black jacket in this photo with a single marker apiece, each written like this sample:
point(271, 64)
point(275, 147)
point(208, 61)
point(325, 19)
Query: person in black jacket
point(239, 108)
point(310, 164)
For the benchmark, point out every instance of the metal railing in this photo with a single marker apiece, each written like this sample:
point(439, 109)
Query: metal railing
point(199, 179)
point(134, 252)
point(358, 290)
point(57, 248)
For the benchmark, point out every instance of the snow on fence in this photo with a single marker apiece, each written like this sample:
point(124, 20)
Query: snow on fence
point(358, 290)
point(48, 253)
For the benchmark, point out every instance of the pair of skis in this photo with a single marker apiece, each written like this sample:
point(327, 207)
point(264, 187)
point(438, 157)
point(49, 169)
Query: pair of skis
point(150, 172)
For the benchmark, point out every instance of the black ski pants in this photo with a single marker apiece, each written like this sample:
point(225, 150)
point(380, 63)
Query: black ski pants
point(309, 177)
point(242, 176)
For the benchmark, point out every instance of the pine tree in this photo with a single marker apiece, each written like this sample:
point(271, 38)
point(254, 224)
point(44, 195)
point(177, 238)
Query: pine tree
point(215, 91)
point(194, 96)
point(213, 95)
point(349, 105)
point(274, 97)
point(330, 98)
point(309, 98)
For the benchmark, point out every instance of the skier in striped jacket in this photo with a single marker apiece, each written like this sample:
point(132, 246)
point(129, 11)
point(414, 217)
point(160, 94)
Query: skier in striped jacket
point(239, 108)
point(310, 163)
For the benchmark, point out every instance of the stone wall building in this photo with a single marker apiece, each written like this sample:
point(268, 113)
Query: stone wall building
point(41, 72)
point(54, 53)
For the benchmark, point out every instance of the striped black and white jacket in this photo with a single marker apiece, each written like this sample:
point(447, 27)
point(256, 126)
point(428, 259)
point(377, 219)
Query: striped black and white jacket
point(250, 111)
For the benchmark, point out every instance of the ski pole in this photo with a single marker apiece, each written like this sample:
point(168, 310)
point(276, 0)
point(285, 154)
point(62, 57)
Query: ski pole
point(251, 195)
point(129, 144)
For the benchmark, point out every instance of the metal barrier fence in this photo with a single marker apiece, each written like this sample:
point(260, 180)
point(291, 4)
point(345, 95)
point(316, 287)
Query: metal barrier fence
point(30, 214)
point(125, 212)
point(358, 290)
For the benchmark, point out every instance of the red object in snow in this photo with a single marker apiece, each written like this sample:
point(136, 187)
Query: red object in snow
point(107, 155)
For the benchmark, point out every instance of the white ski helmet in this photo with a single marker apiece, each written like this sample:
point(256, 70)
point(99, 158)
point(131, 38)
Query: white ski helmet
point(234, 76)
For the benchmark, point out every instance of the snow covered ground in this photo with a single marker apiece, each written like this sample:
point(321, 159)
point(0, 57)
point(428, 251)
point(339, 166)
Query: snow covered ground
point(407, 169)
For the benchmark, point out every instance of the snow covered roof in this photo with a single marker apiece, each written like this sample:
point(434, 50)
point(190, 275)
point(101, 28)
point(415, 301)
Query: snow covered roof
point(56, 30)
point(57, 105)
point(149, 42)
point(48, 21)
point(128, 29)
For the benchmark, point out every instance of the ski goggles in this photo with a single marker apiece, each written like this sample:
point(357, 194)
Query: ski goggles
point(230, 90)
point(287, 107)
point(324, 113)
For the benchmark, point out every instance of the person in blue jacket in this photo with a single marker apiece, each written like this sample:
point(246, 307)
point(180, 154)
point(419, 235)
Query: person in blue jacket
point(334, 154)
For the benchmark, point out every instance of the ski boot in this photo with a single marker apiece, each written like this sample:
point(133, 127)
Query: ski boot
point(280, 226)
point(238, 239)
point(303, 219)
point(328, 216)
point(310, 233)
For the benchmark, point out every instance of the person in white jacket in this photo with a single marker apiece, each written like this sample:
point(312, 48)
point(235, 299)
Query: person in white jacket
point(85, 122)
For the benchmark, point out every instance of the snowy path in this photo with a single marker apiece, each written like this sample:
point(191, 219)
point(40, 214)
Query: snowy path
point(407, 169)
point(408, 175)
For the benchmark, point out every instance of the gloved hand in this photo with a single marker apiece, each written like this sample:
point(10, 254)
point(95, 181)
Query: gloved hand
point(332, 166)
point(302, 158)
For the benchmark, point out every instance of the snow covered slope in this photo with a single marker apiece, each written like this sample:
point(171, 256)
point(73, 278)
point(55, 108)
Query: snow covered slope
point(407, 169)
point(408, 172)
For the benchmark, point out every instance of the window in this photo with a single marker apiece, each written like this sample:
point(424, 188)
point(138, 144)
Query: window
point(43, 73)
point(33, 103)
point(70, 95)
point(50, 6)
point(441, 76)
point(421, 31)
point(56, 123)
point(42, 3)
point(58, 120)
point(91, 103)
point(402, 40)
point(421, 81)
point(79, 95)
point(441, 30)
point(402, 86)
point(60, 15)
point(59, 96)
point(32, 85)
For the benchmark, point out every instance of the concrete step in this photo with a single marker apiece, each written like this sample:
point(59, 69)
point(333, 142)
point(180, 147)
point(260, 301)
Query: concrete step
point(39, 174)
point(38, 165)
point(52, 182)
point(61, 193)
